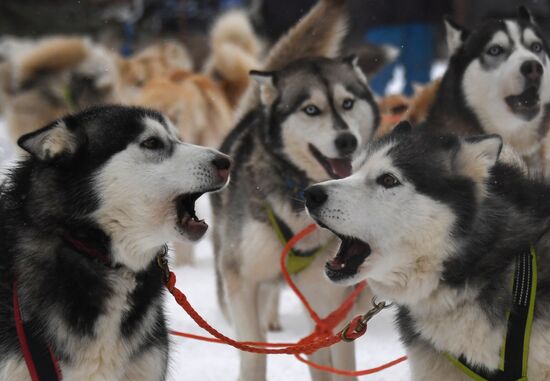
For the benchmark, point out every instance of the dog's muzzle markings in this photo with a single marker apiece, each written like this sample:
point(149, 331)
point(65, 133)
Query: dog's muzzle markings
point(352, 252)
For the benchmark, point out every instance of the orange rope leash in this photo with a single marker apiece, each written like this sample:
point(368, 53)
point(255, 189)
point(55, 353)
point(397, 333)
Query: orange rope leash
point(322, 336)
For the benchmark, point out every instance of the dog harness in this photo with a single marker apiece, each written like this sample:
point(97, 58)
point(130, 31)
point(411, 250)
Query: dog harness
point(297, 260)
point(39, 358)
point(514, 354)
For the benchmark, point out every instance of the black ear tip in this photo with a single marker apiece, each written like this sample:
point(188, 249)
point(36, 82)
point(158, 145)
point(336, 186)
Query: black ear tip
point(524, 12)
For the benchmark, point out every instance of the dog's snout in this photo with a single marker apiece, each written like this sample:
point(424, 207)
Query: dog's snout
point(222, 165)
point(315, 197)
point(532, 70)
point(346, 144)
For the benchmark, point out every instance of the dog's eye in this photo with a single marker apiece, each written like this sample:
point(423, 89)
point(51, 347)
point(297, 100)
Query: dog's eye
point(152, 143)
point(348, 104)
point(495, 50)
point(536, 47)
point(387, 180)
point(312, 110)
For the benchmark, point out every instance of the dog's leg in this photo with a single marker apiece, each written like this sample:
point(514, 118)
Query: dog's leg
point(242, 297)
point(150, 366)
point(273, 318)
point(325, 297)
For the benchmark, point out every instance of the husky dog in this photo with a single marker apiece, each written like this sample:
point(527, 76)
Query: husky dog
point(314, 115)
point(498, 81)
point(435, 224)
point(119, 182)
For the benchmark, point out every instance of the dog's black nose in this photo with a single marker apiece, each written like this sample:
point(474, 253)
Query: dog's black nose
point(346, 144)
point(532, 70)
point(222, 164)
point(315, 196)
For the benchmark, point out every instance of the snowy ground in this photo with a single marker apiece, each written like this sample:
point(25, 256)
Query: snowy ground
point(198, 361)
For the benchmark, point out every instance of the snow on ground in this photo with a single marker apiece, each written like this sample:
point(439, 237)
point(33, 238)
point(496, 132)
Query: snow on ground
point(197, 361)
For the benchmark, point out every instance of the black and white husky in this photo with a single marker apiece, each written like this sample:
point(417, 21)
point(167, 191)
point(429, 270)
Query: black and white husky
point(498, 81)
point(312, 115)
point(435, 223)
point(117, 183)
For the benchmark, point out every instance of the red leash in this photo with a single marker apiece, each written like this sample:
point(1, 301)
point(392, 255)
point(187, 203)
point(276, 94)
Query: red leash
point(322, 337)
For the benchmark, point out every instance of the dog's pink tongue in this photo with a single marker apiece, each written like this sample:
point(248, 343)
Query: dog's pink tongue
point(195, 228)
point(340, 167)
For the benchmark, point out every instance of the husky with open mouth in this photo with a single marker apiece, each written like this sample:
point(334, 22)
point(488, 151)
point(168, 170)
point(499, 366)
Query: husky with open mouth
point(311, 117)
point(498, 81)
point(82, 219)
point(440, 225)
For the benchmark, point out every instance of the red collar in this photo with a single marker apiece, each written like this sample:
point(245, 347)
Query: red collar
point(87, 250)
point(39, 357)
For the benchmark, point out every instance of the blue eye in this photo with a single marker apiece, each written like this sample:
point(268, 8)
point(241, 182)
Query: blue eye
point(495, 50)
point(311, 110)
point(536, 47)
point(348, 104)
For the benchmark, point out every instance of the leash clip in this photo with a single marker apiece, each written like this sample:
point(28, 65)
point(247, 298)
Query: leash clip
point(162, 262)
point(358, 326)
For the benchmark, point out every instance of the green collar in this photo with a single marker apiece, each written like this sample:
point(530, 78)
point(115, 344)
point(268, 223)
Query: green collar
point(514, 354)
point(297, 260)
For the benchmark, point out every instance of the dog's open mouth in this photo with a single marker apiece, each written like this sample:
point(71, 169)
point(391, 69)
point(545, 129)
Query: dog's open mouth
point(351, 255)
point(526, 105)
point(187, 221)
point(336, 168)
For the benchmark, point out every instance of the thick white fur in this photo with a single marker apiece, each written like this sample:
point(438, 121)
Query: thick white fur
point(137, 193)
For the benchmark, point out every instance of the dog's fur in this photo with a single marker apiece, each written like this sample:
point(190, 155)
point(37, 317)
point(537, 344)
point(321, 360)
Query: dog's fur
point(54, 76)
point(235, 50)
point(117, 179)
point(478, 89)
point(434, 223)
point(270, 148)
point(156, 60)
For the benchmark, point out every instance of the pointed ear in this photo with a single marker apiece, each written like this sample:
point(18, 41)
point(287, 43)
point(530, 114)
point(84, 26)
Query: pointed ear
point(51, 142)
point(477, 155)
point(353, 61)
point(525, 14)
point(456, 35)
point(266, 81)
point(403, 127)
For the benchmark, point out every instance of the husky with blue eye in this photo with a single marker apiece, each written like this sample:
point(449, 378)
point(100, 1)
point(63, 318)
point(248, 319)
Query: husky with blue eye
point(497, 82)
point(82, 219)
point(448, 230)
point(310, 117)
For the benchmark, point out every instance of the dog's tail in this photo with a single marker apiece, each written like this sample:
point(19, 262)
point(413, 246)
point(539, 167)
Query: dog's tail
point(220, 288)
point(51, 54)
point(235, 51)
point(319, 33)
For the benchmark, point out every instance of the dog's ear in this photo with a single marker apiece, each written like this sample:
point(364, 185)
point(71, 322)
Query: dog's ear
point(477, 155)
point(524, 14)
point(266, 81)
point(403, 127)
point(456, 35)
point(51, 142)
point(353, 61)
